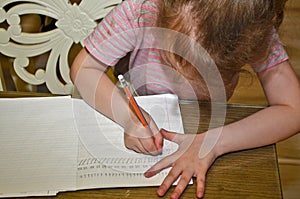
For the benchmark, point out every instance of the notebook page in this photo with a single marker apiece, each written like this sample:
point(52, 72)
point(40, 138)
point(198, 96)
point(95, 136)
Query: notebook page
point(104, 161)
point(41, 155)
point(38, 145)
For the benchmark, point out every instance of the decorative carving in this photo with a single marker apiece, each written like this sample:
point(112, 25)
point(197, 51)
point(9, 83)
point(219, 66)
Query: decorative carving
point(73, 24)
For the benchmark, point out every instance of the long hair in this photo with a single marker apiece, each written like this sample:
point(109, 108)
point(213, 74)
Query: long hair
point(233, 32)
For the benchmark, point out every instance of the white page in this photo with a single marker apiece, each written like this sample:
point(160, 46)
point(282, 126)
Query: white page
point(38, 146)
point(104, 161)
point(40, 153)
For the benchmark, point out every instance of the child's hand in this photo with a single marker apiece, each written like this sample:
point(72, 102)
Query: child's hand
point(147, 140)
point(185, 162)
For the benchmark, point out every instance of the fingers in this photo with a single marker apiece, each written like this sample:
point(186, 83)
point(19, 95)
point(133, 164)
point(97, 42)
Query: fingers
point(172, 136)
point(133, 144)
point(156, 136)
point(200, 175)
point(158, 142)
point(184, 180)
point(170, 178)
point(159, 166)
point(147, 140)
point(142, 145)
point(200, 185)
point(184, 176)
point(149, 147)
point(177, 172)
point(168, 182)
point(153, 145)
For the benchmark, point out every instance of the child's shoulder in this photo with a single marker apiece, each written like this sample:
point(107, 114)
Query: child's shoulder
point(277, 54)
point(141, 8)
point(142, 3)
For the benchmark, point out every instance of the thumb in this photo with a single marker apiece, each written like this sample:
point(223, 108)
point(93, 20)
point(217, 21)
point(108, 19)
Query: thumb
point(172, 136)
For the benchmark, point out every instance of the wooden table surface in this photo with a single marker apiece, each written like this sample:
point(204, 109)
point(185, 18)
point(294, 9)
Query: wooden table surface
point(246, 174)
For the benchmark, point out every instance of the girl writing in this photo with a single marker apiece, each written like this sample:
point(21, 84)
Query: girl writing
point(233, 33)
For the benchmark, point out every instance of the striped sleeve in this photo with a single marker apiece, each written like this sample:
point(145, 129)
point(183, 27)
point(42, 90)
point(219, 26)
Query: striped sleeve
point(276, 56)
point(114, 36)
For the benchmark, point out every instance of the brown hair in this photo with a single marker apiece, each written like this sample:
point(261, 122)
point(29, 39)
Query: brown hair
point(233, 32)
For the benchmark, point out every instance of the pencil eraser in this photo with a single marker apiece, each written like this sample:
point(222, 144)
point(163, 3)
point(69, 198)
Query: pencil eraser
point(120, 77)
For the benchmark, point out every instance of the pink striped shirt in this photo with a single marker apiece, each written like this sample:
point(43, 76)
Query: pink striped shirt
point(117, 35)
point(276, 56)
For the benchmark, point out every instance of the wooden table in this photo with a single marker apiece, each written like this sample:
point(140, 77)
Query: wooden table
point(246, 174)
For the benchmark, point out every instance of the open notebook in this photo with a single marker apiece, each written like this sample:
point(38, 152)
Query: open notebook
point(54, 144)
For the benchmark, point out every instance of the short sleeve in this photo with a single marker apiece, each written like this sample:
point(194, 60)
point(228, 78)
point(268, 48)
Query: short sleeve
point(114, 36)
point(276, 56)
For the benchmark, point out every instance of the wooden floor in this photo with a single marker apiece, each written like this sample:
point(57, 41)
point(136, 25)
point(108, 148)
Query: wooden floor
point(251, 93)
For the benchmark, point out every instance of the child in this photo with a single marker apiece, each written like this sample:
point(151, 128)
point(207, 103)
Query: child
point(233, 33)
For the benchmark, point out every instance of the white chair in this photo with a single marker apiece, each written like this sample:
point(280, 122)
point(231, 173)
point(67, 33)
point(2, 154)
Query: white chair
point(73, 23)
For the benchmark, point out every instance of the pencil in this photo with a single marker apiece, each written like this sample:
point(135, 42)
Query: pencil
point(132, 101)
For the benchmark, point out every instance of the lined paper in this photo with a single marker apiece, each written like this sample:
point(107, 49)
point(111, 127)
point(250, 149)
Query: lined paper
point(54, 144)
point(104, 161)
point(38, 146)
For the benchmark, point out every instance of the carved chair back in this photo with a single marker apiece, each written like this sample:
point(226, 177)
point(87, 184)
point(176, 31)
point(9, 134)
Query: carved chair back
point(40, 51)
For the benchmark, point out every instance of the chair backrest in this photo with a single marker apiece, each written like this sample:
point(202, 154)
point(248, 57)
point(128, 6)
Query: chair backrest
point(71, 24)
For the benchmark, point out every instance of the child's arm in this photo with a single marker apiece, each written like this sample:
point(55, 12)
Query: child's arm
point(100, 92)
point(275, 123)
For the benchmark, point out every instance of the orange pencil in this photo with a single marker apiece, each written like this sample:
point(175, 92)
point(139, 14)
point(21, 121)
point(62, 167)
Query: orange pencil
point(132, 101)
